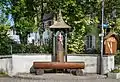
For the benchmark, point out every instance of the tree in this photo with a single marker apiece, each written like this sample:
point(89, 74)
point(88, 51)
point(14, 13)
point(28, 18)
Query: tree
point(5, 41)
point(23, 19)
point(81, 20)
point(81, 15)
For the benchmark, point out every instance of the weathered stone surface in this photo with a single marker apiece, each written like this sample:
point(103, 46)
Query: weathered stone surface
point(114, 75)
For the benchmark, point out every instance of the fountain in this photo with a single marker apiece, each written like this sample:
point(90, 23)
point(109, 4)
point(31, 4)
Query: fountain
point(59, 37)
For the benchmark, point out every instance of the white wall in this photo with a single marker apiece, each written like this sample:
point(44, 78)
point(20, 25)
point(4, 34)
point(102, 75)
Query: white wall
point(90, 62)
point(108, 63)
point(6, 64)
point(22, 63)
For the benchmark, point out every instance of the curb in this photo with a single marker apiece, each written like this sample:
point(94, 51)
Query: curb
point(58, 77)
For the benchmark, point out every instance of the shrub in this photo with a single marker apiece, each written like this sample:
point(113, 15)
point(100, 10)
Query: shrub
point(115, 71)
point(117, 58)
point(3, 73)
point(21, 48)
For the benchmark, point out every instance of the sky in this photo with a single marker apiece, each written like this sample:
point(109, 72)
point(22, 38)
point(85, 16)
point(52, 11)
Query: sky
point(11, 20)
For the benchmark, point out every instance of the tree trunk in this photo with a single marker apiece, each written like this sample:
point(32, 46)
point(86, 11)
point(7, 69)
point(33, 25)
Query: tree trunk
point(23, 38)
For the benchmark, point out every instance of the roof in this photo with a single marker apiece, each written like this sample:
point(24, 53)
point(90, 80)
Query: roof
point(111, 34)
point(48, 16)
point(60, 23)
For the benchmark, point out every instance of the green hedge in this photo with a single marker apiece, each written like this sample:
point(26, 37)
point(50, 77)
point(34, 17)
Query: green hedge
point(5, 46)
point(21, 48)
point(117, 58)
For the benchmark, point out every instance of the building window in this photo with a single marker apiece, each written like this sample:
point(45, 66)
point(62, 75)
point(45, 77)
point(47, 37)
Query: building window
point(90, 44)
point(14, 32)
point(90, 41)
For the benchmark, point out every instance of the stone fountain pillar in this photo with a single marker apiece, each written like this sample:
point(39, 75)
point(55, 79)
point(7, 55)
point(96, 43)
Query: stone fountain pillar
point(60, 49)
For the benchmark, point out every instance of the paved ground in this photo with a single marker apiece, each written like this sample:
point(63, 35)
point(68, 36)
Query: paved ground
point(77, 80)
point(58, 78)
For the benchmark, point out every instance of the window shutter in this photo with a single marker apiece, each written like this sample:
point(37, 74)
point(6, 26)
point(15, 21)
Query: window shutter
point(93, 41)
point(85, 41)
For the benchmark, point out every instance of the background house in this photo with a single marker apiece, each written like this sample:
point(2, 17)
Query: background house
point(12, 34)
point(34, 37)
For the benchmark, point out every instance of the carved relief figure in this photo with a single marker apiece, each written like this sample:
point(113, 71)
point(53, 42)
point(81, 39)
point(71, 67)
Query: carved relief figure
point(60, 49)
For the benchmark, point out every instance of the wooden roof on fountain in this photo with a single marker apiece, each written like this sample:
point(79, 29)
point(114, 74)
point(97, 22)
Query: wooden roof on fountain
point(59, 23)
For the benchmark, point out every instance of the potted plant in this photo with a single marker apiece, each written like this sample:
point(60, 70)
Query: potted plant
point(114, 74)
